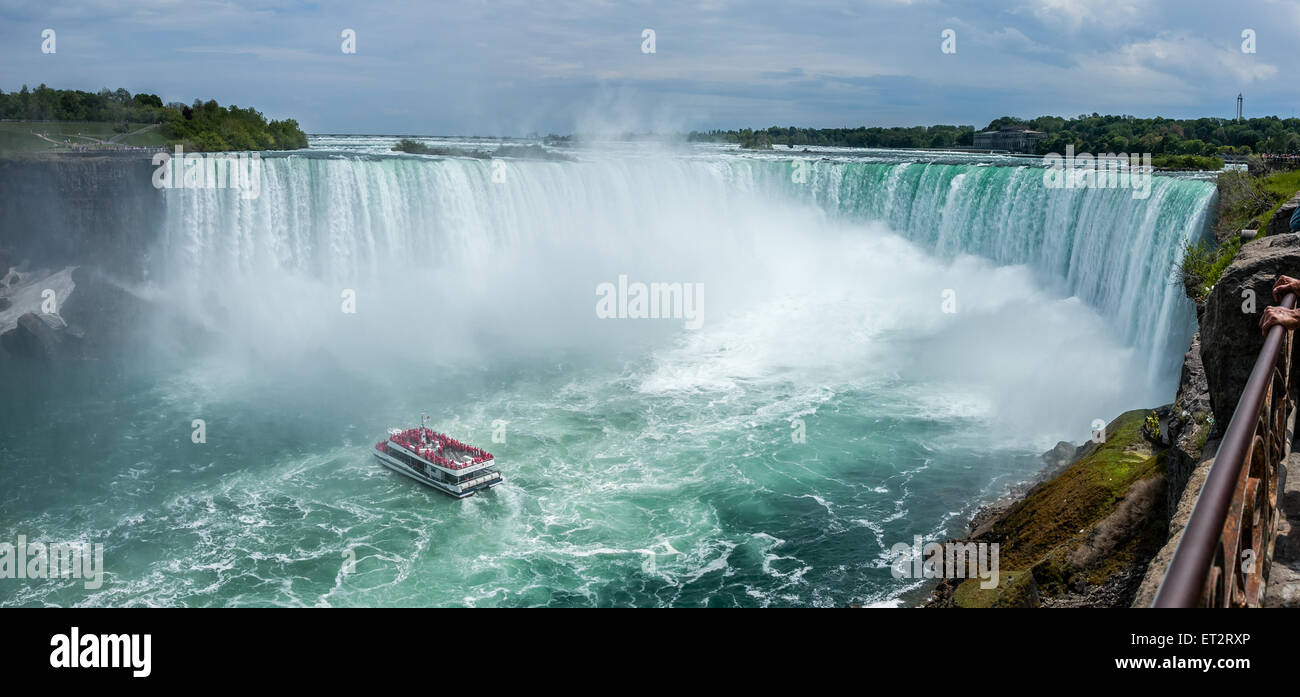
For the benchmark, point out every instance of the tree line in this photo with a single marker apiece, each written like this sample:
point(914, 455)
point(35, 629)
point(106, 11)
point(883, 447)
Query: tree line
point(202, 126)
point(860, 137)
point(1158, 135)
point(1087, 133)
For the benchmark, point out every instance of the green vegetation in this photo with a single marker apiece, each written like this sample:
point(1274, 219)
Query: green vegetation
point(49, 119)
point(1203, 265)
point(210, 127)
point(750, 140)
point(1246, 199)
point(417, 148)
point(1280, 186)
point(1246, 202)
point(860, 137)
point(1207, 137)
point(1079, 497)
point(1151, 428)
point(1206, 424)
point(46, 104)
point(1014, 589)
point(1187, 163)
point(1161, 136)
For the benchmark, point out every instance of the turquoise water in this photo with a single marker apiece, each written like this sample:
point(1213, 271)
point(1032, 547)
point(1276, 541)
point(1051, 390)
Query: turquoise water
point(646, 463)
point(611, 498)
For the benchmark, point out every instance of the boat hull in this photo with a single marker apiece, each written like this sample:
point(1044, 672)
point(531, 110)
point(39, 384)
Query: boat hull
point(459, 492)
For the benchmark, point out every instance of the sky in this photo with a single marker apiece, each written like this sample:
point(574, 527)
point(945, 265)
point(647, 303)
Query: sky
point(561, 66)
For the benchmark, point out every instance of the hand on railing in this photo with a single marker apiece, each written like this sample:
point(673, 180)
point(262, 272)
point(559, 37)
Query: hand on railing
point(1275, 315)
point(1284, 285)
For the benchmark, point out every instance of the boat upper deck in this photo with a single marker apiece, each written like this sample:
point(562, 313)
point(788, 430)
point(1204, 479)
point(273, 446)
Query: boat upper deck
point(440, 449)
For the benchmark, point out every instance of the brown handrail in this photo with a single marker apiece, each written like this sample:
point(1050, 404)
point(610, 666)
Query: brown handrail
point(1191, 576)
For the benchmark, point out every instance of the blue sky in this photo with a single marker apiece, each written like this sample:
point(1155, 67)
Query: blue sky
point(508, 68)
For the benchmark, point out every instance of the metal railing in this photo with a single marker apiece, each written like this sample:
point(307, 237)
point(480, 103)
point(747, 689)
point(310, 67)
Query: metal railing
point(1223, 557)
point(491, 474)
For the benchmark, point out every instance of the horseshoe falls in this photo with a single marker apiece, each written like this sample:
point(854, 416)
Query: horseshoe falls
point(886, 343)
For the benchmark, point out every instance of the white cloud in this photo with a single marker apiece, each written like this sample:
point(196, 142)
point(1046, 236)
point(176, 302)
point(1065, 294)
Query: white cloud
point(1194, 59)
point(1015, 40)
point(1287, 8)
point(1077, 14)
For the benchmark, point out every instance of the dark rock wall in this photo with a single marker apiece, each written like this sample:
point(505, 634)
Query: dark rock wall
point(1187, 427)
point(1230, 336)
point(97, 210)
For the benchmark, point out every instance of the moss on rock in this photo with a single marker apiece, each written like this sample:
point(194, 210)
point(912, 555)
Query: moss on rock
point(1082, 537)
point(1014, 589)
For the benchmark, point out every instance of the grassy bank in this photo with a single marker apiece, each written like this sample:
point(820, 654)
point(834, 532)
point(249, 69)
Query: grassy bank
point(1083, 537)
point(49, 136)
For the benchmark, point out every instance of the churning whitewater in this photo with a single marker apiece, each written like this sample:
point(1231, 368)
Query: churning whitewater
point(886, 345)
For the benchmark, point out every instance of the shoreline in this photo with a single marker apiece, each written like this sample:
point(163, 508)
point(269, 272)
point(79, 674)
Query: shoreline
point(1055, 462)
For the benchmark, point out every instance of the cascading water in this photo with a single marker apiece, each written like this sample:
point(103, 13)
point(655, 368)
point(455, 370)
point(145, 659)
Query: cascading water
point(346, 220)
point(827, 409)
point(1115, 248)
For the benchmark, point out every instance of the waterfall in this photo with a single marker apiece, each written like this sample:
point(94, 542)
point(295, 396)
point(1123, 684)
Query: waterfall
point(1111, 249)
point(347, 217)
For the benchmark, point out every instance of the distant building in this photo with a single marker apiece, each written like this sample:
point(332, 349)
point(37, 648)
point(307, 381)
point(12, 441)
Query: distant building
point(1010, 138)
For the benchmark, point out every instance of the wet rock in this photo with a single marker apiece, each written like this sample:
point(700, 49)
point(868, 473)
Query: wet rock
point(105, 207)
point(118, 322)
point(30, 296)
point(1060, 456)
point(103, 311)
point(39, 338)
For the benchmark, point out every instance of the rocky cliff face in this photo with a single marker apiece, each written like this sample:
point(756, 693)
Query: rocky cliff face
point(1191, 453)
point(95, 318)
point(1230, 336)
point(1215, 370)
point(94, 210)
point(77, 229)
point(1189, 424)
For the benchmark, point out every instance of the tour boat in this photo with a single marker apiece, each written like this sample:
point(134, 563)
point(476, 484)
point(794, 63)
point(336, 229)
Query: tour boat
point(438, 460)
